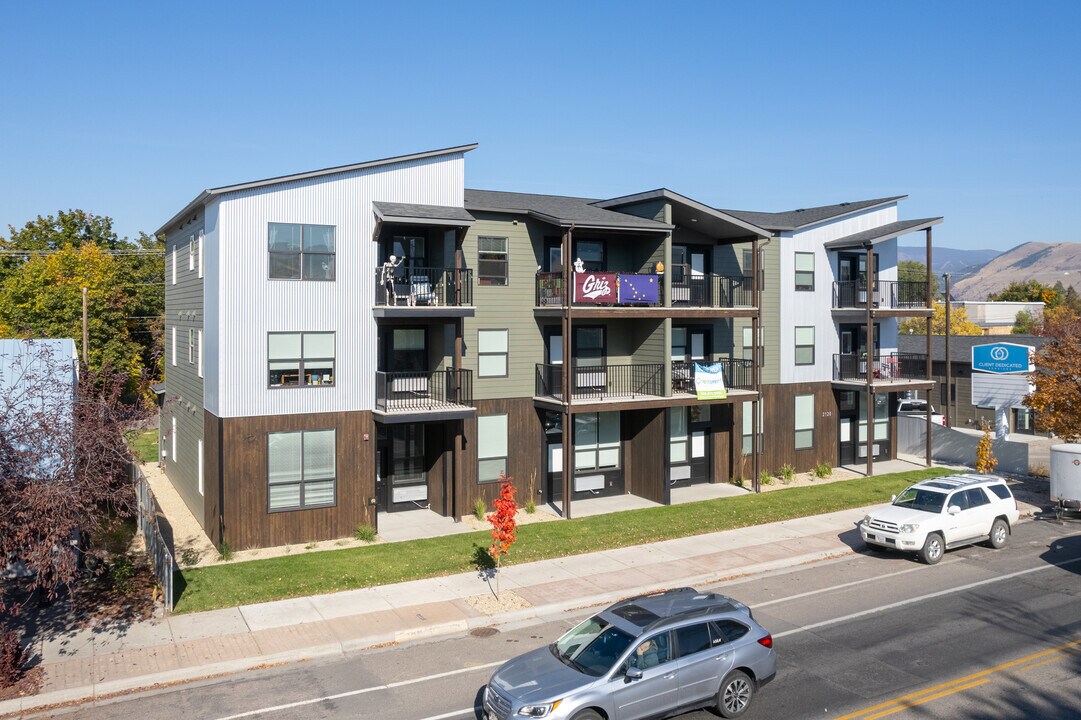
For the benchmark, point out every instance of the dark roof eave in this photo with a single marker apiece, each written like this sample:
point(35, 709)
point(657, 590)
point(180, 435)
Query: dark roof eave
point(689, 202)
point(874, 236)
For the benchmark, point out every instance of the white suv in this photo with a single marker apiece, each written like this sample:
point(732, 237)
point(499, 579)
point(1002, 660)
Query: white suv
point(943, 513)
point(918, 408)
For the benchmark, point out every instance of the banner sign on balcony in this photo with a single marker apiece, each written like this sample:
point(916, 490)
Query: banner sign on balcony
point(638, 289)
point(709, 381)
point(1002, 358)
point(597, 288)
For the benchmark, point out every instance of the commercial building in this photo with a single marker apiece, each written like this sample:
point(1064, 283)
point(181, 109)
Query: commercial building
point(374, 337)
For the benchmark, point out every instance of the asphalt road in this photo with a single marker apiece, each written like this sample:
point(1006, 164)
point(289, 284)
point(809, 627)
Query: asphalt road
point(984, 634)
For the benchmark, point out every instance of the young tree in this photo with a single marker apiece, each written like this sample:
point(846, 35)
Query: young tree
point(959, 323)
point(63, 466)
point(1024, 323)
point(1026, 291)
point(504, 524)
point(1057, 382)
point(985, 456)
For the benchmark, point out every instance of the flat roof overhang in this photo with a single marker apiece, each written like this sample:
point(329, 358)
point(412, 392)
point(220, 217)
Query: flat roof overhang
point(874, 236)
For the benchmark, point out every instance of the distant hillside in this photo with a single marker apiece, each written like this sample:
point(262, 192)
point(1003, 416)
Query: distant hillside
point(1046, 263)
point(961, 263)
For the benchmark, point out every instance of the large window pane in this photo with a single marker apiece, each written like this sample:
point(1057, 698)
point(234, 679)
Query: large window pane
point(492, 348)
point(805, 345)
point(492, 443)
point(490, 469)
point(585, 429)
point(804, 421)
point(284, 496)
point(318, 266)
point(318, 345)
point(301, 251)
point(284, 266)
point(492, 366)
point(283, 346)
point(319, 454)
point(492, 341)
point(284, 237)
point(284, 457)
point(319, 238)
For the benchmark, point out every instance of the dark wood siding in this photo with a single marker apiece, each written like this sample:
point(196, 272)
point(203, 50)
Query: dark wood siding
point(243, 510)
point(212, 476)
point(645, 455)
point(779, 432)
point(524, 448)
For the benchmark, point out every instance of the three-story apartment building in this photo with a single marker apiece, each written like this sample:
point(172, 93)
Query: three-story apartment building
point(374, 337)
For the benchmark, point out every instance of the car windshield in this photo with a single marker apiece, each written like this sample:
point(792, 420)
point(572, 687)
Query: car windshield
point(592, 647)
point(920, 499)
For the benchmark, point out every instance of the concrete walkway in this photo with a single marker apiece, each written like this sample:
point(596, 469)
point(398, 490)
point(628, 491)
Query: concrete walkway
point(120, 657)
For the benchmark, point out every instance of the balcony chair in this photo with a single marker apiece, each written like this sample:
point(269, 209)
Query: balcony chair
point(421, 290)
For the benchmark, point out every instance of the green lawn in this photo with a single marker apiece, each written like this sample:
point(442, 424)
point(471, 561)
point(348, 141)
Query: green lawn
point(257, 581)
point(144, 444)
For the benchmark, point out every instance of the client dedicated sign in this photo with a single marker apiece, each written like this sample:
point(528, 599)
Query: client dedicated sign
point(1002, 358)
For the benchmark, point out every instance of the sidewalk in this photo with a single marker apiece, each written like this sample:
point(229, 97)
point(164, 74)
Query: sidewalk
point(105, 660)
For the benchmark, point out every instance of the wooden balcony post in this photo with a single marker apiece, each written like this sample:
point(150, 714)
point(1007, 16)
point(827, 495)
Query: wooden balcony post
point(931, 307)
point(567, 368)
point(870, 351)
point(756, 374)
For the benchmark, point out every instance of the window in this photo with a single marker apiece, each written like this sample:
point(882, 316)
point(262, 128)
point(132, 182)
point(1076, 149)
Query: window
point(748, 267)
point(301, 252)
point(1000, 491)
point(805, 421)
point(199, 350)
point(492, 347)
point(805, 271)
point(748, 423)
point(191, 346)
point(173, 439)
point(589, 346)
point(191, 252)
point(300, 359)
point(199, 242)
point(200, 467)
point(596, 441)
point(492, 260)
point(491, 447)
point(805, 345)
point(651, 653)
point(174, 345)
point(679, 439)
point(300, 469)
point(591, 253)
point(692, 639)
point(723, 631)
point(174, 264)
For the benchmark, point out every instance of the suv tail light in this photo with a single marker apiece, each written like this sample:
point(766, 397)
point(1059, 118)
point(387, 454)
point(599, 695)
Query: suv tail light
point(766, 641)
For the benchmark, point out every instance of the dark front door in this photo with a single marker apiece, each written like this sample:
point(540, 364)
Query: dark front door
point(688, 445)
point(402, 478)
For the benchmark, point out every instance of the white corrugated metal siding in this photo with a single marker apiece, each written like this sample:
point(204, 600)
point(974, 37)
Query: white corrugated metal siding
point(249, 305)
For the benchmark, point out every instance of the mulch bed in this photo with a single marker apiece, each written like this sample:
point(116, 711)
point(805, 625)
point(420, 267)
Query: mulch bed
point(29, 684)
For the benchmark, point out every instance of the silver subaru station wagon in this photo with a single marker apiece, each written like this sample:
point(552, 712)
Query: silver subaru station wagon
point(648, 657)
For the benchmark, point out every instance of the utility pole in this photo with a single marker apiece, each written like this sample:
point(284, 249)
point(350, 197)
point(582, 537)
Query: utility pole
point(949, 387)
point(85, 339)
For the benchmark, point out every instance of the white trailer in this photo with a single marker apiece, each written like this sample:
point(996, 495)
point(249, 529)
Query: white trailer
point(1066, 477)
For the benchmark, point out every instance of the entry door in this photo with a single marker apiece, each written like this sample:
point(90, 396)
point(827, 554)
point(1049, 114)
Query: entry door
point(414, 249)
point(405, 484)
point(688, 444)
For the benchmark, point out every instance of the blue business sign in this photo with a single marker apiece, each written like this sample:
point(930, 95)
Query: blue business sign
point(1002, 358)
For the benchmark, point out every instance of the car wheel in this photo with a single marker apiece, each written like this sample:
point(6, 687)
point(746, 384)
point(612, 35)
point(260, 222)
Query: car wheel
point(1000, 533)
point(588, 715)
point(735, 695)
point(932, 549)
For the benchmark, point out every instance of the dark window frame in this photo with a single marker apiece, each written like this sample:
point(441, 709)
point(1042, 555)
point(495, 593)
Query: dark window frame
point(804, 286)
point(301, 253)
point(505, 354)
point(810, 443)
point(303, 480)
point(798, 347)
point(302, 374)
point(485, 263)
point(504, 458)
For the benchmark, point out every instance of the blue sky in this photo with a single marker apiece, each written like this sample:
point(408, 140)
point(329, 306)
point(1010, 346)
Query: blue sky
point(970, 108)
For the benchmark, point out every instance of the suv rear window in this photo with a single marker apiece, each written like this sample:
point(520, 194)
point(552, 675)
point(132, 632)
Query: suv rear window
point(1000, 490)
point(727, 631)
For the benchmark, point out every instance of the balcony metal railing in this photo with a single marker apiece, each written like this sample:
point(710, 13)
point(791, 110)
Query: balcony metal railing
point(598, 382)
point(892, 294)
point(625, 289)
point(420, 391)
point(894, 366)
point(425, 287)
point(738, 374)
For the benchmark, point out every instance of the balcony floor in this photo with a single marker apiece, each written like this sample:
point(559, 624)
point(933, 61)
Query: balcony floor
point(593, 403)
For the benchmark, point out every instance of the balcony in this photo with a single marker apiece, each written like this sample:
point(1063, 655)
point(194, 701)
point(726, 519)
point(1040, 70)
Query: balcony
point(885, 369)
point(425, 291)
point(444, 393)
point(738, 375)
point(886, 295)
point(617, 289)
point(602, 382)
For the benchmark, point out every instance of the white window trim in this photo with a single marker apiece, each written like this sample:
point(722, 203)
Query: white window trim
point(174, 439)
point(174, 345)
point(201, 467)
point(199, 240)
point(191, 346)
point(174, 264)
point(191, 252)
point(199, 350)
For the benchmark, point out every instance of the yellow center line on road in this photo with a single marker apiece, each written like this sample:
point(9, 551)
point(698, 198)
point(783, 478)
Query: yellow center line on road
point(952, 686)
point(926, 699)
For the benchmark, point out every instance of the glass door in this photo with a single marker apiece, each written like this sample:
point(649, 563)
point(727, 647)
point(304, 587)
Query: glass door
point(407, 482)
